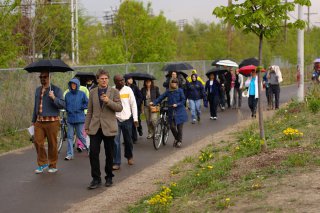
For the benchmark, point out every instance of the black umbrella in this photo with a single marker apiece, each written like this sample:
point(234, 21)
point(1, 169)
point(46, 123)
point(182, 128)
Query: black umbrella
point(139, 76)
point(85, 76)
point(177, 67)
point(50, 65)
point(216, 71)
point(185, 75)
point(249, 61)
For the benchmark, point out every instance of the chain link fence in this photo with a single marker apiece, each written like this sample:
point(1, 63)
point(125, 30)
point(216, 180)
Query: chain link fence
point(17, 87)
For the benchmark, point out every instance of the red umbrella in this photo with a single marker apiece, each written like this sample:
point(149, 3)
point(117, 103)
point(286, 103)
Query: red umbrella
point(246, 70)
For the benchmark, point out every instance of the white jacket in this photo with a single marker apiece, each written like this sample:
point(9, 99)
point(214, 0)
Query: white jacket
point(129, 105)
point(247, 84)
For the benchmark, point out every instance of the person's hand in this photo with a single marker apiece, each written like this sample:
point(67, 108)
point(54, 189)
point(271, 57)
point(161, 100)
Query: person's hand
point(51, 95)
point(104, 98)
point(136, 123)
point(87, 131)
point(151, 103)
point(205, 103)
point(174, 105)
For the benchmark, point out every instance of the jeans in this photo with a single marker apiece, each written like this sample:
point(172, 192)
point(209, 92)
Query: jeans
point(70, 136)
point(126, 128)
point(95, 141)
point(195, 108)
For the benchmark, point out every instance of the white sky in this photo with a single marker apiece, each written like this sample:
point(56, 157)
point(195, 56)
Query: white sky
point(182, 9)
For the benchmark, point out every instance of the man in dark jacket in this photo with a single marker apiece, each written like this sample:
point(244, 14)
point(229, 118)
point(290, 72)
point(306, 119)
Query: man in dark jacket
point(137, 94)
point(195, 92)
point(76, 102)
point(48, 100)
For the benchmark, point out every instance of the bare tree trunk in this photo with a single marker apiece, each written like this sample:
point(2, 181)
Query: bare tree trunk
point(261, 124)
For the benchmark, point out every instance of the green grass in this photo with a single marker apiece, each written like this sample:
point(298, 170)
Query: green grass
point(14, 140)
point(208, 184)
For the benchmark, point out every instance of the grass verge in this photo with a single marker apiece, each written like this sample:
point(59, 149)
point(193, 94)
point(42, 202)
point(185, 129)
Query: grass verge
point(231, 174)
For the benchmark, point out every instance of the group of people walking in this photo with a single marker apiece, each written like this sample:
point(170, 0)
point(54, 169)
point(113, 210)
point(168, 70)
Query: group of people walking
point(104, 113)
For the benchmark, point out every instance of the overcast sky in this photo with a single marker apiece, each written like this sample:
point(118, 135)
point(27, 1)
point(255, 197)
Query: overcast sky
point(181, 9)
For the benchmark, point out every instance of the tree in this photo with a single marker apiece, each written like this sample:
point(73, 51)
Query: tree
point(145, 37)
point(264, 18)
point(9, 19)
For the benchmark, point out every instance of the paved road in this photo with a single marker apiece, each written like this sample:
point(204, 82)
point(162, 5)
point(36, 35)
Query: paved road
point(24, 191)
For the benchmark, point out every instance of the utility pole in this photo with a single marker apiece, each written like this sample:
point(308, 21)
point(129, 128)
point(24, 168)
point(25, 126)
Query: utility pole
point(181, 23)
point(300, 66)
point(308, 14)
point(229, 32)
point(74, 32)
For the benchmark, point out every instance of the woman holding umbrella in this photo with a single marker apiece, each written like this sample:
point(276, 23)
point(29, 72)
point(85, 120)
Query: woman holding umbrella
point(213, 90)
point(252, 84)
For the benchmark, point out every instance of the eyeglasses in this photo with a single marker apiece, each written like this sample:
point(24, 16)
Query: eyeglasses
point(43, 77)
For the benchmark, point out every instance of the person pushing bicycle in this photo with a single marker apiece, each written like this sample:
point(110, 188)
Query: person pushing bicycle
point(177, 114)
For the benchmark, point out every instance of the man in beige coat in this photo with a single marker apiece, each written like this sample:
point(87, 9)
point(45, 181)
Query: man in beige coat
point(101, 124)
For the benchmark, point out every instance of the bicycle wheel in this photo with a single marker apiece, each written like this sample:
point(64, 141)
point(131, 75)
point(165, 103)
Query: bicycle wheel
point(61, 137)
point(165, 134)
point(157, 138)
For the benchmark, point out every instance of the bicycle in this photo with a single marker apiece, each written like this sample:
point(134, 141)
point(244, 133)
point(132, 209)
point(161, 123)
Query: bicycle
point(62, 134)
point(161, 133)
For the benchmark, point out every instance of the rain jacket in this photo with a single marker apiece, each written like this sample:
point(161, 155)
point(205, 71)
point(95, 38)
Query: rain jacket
point(195, 90)
point(76, 103)
point(175, 97)
point(189, 79)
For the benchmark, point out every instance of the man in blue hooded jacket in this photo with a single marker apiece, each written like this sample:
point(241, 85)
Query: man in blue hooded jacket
point(76, 102)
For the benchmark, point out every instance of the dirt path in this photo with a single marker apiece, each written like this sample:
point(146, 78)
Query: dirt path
point(132, 189)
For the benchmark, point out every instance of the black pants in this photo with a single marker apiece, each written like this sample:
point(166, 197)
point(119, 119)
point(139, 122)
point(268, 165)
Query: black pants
point(228, 96)
point(252, 102)
point(222, 97)
point(176, 131)
point(95, 142)
point(274, 89)
point(135, 129)
point(213, 103)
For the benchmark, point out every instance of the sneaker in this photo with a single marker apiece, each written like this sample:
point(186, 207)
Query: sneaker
point(115, 167)
point(79, 149)
point(175, 143)
point(178, 144)
point(223, 108)
point(193, 121)
point(94, 184)
point(68, 158)
point(215, 118)
point(40, 169)
point(211, 118)
point(149, 136)
point(52, 170)
point(198, 118)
